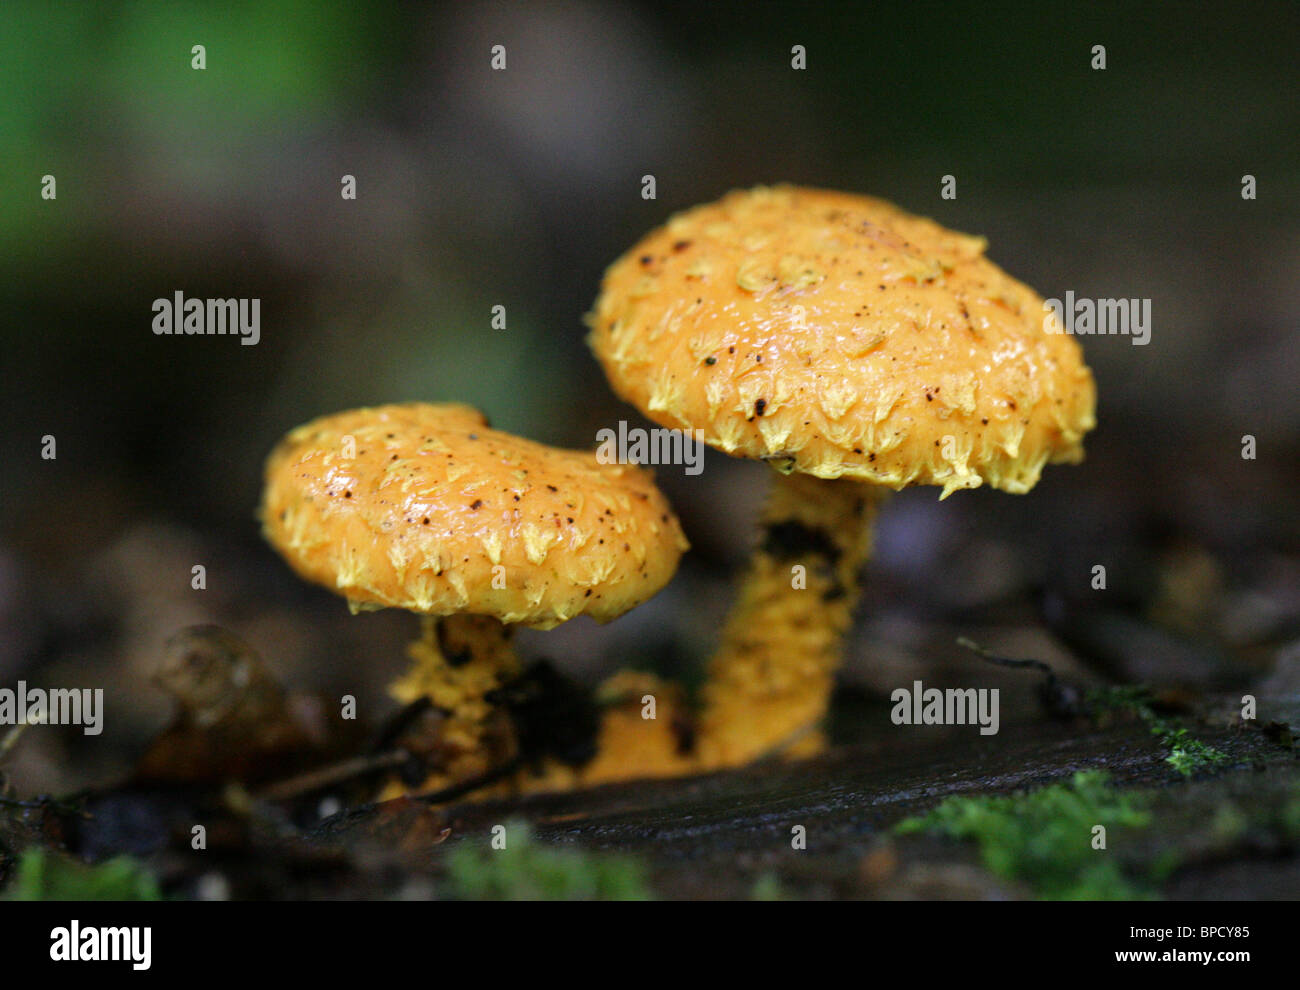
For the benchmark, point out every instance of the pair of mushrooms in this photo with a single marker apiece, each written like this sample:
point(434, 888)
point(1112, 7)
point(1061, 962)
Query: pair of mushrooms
point(854, 347)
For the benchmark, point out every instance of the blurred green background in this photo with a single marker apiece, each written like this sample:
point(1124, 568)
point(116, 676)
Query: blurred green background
point(479, 188)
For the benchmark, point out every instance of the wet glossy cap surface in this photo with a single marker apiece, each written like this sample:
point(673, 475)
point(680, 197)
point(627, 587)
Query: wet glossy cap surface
point(425, 507)
point(836, 335)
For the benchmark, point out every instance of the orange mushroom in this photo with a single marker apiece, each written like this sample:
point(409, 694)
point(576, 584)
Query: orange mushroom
point(857, 349)
point(425, 507)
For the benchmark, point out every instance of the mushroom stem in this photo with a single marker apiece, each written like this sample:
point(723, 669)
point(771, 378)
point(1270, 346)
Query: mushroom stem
point(456, 663)
point(770, 682)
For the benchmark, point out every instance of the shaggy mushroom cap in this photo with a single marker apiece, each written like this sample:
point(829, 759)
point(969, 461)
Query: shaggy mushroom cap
point(432, 501)
point(839, 336)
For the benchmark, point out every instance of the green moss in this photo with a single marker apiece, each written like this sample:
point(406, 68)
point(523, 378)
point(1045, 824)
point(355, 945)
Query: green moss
point(1044, 838)
point(528, 871)
point(1229, 823)
point(1118, 698)
point(47, 876)
point(766, 888)
point(1186, 754)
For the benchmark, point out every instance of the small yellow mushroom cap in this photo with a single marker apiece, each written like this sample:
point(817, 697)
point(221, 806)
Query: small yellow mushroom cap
point(425, 507)
point(839, 336)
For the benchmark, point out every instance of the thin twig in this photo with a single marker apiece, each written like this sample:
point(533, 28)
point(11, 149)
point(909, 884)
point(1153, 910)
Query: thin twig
point(1006, 661)
point(470, 785)
point(315, 780)
point(11, 737)
point(1061, 698)
point(40, 803)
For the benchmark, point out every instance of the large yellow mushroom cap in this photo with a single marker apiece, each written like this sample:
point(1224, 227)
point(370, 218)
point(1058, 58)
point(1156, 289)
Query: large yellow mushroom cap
point(424, 507)
point(839, 336)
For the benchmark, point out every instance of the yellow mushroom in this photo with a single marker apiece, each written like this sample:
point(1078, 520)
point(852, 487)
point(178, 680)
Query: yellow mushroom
point(857, 349)
point(425, 507)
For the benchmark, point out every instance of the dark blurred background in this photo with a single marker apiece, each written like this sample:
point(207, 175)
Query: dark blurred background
point(478, 188)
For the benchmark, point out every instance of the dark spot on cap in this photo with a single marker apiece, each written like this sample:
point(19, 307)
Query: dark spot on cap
point(759, 406)
point(476, 504)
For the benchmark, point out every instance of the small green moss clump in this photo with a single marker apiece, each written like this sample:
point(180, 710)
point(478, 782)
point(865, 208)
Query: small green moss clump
point(47, 876)
point(1045, 838)
point(1186, 754)
point(767, 887)
point(528, 871)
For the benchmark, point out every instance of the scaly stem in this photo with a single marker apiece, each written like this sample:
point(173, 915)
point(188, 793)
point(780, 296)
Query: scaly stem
point(456, 663)
point(770, 682)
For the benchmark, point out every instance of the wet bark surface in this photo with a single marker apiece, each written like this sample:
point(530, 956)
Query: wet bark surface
point(721, 835)
point(817, 828)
